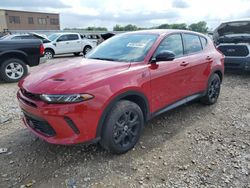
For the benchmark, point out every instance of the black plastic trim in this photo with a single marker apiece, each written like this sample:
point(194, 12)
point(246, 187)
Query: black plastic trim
point(72, 125)
point(177, 104)
point(111, 104)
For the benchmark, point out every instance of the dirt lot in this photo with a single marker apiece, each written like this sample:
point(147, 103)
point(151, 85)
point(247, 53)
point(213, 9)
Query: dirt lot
point(192, 146)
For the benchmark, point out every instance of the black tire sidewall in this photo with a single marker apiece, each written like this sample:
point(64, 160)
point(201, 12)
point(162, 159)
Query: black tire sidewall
point(107, 140)
point(48, 50)
point(3, 75)
point(85, 48)
point(76, 53)
point(206, 99)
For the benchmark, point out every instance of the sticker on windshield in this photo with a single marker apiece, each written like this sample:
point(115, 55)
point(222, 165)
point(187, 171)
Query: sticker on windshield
point(136, 45)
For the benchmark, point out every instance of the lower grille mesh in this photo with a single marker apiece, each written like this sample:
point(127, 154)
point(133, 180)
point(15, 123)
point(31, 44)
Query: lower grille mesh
point(39, 125)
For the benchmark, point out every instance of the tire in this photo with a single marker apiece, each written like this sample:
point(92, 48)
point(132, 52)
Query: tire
point(213, 90)
point(77, 53)
point(122, 128)
point(86, 50)
point(13, 70)
point(49, 54)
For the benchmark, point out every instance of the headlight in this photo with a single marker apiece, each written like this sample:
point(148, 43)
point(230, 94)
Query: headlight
point(68, 98)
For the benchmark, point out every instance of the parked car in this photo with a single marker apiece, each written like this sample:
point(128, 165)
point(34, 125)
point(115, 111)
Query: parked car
point(233, 40)
point(65, 43)
point(124, 82)
point(30, 35)
point(16, 55)
point(98, 38)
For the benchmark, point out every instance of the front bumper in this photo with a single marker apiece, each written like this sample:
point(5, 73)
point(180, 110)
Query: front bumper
point(237, 63)
point(59, 123)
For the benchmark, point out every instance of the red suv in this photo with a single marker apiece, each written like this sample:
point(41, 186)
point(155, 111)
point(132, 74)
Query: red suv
point(125, 81)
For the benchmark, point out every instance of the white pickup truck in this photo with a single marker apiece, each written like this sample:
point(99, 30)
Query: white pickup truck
point(64, 43)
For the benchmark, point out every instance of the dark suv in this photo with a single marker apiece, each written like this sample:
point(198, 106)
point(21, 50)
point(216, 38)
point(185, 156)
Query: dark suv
point(233, 40)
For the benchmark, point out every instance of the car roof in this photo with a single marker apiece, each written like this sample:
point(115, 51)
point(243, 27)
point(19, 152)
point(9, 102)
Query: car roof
point(165, 31)
point(238, 20)
point(66, 33)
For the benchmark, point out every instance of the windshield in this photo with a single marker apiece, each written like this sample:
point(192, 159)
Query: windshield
point(124, 48)
point(4, 37)
point(53, 36)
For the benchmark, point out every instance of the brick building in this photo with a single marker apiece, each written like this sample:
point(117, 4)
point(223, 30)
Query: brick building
point(13, 20)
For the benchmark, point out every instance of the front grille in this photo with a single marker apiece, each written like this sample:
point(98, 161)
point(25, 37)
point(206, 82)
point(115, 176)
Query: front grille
point(234, 50)
point(39, 125)
point(30, 95)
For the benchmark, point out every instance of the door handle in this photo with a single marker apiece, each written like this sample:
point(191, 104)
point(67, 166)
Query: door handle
point(67, 42)
point(78, 41)
point(184, 63)
point(208, 58)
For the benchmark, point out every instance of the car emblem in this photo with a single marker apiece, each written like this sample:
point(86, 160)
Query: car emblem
point(231, 50)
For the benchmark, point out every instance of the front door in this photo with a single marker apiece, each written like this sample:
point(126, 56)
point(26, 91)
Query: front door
point(62, 44)
point(168, 78)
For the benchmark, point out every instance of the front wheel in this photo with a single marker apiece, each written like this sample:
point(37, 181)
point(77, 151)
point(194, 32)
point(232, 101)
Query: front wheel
point(123, 127)
point(13, 70)
point(213, 90)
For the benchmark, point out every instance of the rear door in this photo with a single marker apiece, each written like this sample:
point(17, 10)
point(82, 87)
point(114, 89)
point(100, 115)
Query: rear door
point(168, 78)
point(199, 61)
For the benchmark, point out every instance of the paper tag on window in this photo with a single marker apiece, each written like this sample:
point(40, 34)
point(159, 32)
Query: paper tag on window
point(136, 45)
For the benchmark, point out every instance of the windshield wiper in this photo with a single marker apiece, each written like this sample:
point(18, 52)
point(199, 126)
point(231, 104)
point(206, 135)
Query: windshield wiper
point(100, 58)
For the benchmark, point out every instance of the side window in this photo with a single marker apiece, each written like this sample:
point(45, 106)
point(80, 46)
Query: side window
point(192, 43)
point(63, 38)
point(73, 37)
point(28, 37)
point(203, 42)
point(17, 38)
point(171, 43)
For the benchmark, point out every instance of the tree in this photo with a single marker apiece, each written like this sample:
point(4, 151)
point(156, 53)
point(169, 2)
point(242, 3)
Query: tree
point(128, 27)
point(199, 27)
point(164, 26)
point(179, 26)
point(118, 28)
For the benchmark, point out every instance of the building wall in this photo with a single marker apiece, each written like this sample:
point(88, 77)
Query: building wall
point(3, 24)
point(19, 20)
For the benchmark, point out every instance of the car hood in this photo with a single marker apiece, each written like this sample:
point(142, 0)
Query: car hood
point(70, 76)
point(232, 29)
point(44, 38)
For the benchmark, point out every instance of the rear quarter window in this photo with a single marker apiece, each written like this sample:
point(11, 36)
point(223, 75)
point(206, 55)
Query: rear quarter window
point(73, 37)
point(192, 43)
point(203, 42)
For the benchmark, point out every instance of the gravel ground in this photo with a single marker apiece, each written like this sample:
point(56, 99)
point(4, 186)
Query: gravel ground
point(191, 146)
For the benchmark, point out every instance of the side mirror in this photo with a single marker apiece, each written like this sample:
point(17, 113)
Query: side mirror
point(164, 56)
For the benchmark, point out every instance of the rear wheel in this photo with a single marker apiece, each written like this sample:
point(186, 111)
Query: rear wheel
point(123, 127)
point(86, 50)
point(13, 70)
point(49, 54)
point(213, 90)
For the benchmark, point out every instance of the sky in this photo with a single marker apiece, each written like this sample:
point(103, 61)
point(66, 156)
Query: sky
point(143, 13)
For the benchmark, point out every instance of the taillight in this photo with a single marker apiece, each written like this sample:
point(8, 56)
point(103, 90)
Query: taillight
point(41, 49)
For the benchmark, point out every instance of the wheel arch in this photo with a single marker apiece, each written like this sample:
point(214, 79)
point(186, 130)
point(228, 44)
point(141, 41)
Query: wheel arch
point(134, 96)
point(219, 72)
point(49, 48)
point(15, 55)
